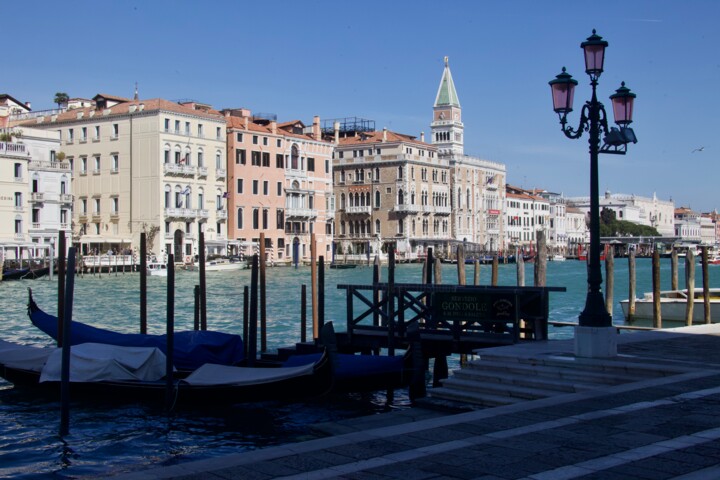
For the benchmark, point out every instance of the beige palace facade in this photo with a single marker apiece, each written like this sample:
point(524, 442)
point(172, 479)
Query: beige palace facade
point(151, 166)
point(390, 188)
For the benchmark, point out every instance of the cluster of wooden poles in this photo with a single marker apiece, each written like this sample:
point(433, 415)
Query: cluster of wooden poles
point(689, 284)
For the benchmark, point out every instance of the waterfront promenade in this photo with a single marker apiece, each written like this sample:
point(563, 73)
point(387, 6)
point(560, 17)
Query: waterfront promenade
point(660, 428)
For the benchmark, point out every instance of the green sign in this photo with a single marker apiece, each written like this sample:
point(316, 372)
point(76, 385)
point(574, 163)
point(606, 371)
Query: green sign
point(477, 306)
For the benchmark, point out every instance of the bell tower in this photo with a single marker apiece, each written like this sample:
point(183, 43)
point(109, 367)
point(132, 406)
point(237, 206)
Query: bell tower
point(447, 127)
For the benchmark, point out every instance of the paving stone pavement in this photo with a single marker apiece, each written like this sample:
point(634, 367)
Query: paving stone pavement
point(659, 428)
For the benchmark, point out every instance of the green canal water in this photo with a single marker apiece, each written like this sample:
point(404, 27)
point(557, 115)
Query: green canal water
point(110, 439)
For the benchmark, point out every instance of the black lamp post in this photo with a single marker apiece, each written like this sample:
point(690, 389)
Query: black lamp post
point(593, 120)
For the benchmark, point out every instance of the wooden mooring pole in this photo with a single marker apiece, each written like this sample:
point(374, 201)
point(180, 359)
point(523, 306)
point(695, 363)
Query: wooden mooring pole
point(65, 353)
point(170, 333)
point(303, 313)
point(476, 272)
point(62, 250)
point(196, 308)
point(313, 288)
point(203, 285)
point(461, 264)
point(520, 266)
point(674, 269)
point(246, 310)
point(706, 284)
point(321, 291)
point(143, 283)
point(631, 284)
point(495, 264)
point(657, 313)
point(690, 286)
point(609, 279)
point(252, 334)
point(540, 270)
point(263, 305)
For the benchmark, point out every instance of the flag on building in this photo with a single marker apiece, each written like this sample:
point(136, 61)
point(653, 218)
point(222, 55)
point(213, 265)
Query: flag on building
point(187, 190)
point(225, 195)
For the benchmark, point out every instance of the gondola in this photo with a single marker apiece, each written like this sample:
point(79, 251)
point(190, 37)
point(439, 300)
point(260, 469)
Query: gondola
point(100, 372)
point(363, 373)
point(342, 266)
point(191, 348)
point(24, 273)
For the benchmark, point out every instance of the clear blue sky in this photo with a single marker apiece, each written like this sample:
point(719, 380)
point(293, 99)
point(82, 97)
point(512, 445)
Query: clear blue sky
point(382, 60)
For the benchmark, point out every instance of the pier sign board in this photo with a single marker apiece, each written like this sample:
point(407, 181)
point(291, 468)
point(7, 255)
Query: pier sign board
point(473, 306)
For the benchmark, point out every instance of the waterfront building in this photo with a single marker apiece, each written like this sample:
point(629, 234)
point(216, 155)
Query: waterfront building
point(707, 230)
point(14, 198)
point(390, 188)
point(50, 200)
point(557, 237)
point(477, 185)
point(279, 183)
point(651, 212)
point(151, 166)
point(526, 214)
point(10, 107)
point(687, 225)
point(576, 227)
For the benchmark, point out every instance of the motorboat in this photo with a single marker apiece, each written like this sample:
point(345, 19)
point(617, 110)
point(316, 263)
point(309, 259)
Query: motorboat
point(673, 305)
point(157, 269)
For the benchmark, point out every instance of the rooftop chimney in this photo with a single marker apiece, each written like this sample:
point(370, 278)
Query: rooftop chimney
point(273, 126)
point(422, 137)
point(316, 128)
point(336, 127)
point(384, 134)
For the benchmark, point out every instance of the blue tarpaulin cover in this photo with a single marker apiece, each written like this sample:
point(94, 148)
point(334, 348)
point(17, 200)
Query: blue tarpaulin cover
point(192, 348)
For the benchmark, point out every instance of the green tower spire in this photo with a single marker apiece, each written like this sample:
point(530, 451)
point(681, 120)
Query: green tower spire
point(446, 94)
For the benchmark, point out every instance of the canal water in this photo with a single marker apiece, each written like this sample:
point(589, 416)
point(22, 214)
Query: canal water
point(110, 439)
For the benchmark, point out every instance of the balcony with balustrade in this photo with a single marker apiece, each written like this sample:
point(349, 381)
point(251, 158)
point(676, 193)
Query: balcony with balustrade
point(37, 197)
point(407, 208)
point(359, 210)
point(203, 214)
point(294, 212)
point(220, 173)
point(180, 213)
point(178, 169)
point(202, 171)
point(443, 210)
point(221, 215)
point(48, 166)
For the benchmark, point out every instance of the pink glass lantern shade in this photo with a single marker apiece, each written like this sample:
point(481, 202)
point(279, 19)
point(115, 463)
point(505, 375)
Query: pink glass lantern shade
point(623, 101)
point(563, 92)
point(594, 48)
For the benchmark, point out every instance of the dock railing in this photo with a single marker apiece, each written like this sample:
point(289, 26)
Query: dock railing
point(465, 317)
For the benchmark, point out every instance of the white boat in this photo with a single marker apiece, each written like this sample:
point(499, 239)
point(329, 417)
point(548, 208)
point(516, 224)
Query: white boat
point(557, 258)
point(157, 269)
point(673, 304)
point(222, 265)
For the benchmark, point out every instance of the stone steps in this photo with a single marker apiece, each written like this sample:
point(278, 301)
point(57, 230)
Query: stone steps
point(495, 379)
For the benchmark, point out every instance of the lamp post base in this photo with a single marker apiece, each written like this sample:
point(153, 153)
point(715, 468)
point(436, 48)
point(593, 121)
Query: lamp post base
point(595, 342)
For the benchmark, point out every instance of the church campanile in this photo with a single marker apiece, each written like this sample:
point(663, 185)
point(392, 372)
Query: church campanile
point(447, 127)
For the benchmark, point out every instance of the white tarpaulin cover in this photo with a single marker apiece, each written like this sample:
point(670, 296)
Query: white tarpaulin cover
point(212, 374)
point(95, 362)
point(23, 356)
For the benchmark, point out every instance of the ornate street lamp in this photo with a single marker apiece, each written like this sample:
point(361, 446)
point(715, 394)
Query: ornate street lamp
point(593, 120)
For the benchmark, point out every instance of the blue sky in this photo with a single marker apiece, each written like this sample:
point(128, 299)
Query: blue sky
point(383, 60)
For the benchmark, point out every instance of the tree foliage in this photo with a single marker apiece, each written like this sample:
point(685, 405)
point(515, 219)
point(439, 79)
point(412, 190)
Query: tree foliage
point(61, 98)
point(610, 226)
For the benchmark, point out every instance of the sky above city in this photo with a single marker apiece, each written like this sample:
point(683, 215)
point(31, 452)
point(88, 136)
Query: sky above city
point(383, 60)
